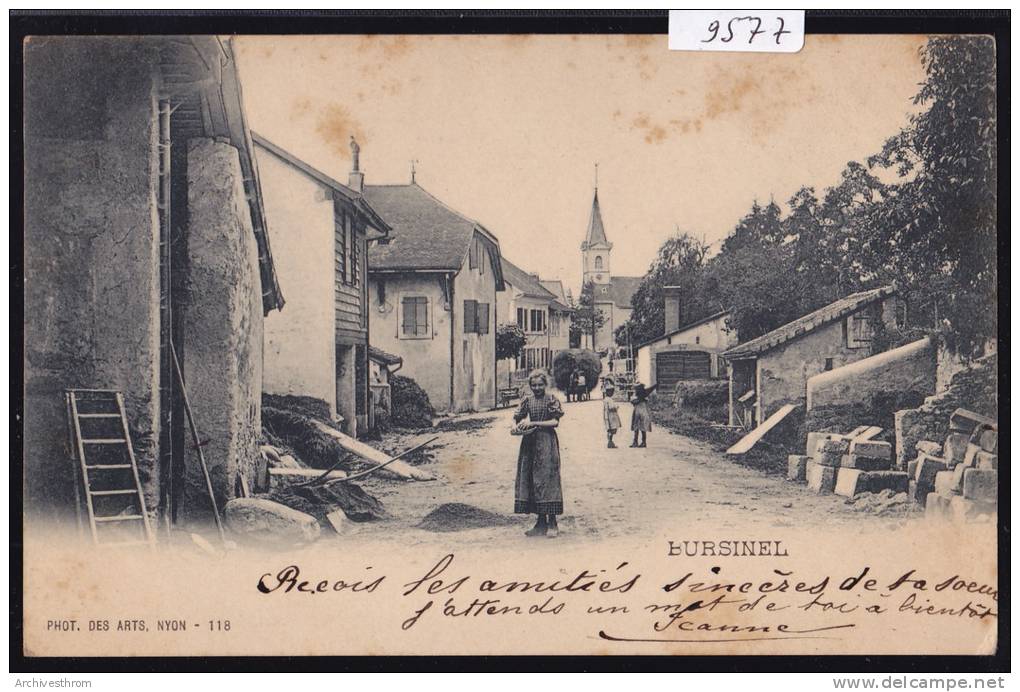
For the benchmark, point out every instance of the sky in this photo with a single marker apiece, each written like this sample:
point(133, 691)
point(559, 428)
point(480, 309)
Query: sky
point(507, 129)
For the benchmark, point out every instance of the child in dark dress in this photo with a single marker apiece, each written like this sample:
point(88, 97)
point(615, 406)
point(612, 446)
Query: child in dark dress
point(538, 489)
point(641, 418)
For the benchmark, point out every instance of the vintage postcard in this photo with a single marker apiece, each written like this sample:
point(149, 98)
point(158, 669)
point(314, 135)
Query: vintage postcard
point(473, 344)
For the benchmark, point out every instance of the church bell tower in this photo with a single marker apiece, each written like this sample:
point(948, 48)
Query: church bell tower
point(596, 247)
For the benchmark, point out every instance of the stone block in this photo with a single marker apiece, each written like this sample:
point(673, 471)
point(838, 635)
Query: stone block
point(853, 461)
point(962, 509)
point(873, 449)
point(969, 457)
point(814, 439)
point(981, 485)
point(932, 449)
point(797, 467)
point(846, 482)
point(989, 441)
point(821, 479)
point(918, 494)
point(955, 448)
point(831, 445)
point(964, 421)
point(927, 467)
point(986, 461)
point(945, 484)
point(833, 459)
point(936, 507)
point(853, 482)
point(265, 522)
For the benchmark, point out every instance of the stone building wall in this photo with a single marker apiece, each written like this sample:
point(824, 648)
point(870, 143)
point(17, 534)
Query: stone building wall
point(974, 388)
point(91, 242)
point(222, 325)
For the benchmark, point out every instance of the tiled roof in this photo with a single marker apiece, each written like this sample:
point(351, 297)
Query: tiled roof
point(381, 356)
point(555, 286)
point(618, 291)
point(686, 327)
point(524, 282)
point(425, 233)
point(808, 323)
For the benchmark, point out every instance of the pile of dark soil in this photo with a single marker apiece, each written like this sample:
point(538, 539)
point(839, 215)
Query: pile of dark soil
point(468, 425)
point(321, 500)
point(411, 405)
point(296, 430)
point(457, 516)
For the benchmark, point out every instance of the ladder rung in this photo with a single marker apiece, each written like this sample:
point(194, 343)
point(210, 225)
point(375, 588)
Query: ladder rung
point(108, 467)
point(93, 391)
point(121, 517)
point(126, 491)
point(103, 441)
point(99, 415)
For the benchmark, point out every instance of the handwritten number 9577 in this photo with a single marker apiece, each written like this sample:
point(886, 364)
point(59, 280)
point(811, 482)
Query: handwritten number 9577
point(755, 31)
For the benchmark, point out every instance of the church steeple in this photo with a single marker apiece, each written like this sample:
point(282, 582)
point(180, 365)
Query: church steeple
point(596, 246)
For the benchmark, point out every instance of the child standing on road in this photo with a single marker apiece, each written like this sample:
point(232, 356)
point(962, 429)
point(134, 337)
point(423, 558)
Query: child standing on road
point(610, 413)
point(538, 489)
point(641, 418)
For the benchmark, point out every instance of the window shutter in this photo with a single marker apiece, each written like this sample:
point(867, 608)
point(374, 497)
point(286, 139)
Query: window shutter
point(483, 318)
point(422, 314)
point(470, 316)
point(409, 313)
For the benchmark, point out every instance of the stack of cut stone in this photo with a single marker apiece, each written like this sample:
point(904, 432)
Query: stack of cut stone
point(848, 465)
point(959, 480)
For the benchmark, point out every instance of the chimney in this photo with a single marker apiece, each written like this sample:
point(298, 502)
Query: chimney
point(356, 181)
point(672, 307)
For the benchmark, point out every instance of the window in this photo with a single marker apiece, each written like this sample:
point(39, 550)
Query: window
point(537, 321)
point(415, 317)
point(598, 263)
point(522, 319)
point(473, 255)
point(828, 364)
point(476, 317)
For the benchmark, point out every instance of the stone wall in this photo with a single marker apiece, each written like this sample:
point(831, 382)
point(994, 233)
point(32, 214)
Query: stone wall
point(974, 388)
point(91, 241)
point(909, 368)
point(222, 325)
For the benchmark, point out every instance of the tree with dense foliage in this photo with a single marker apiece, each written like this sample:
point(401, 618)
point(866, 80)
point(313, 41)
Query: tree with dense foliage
point(939, 225)
point(587, 317)
point(680, 262)
point(921, 213)
point(510, 343)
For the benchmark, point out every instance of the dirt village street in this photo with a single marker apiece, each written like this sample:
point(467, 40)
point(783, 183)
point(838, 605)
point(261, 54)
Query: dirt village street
point(674, 485)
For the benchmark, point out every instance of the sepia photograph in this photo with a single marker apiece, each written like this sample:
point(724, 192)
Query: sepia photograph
point(463, 343)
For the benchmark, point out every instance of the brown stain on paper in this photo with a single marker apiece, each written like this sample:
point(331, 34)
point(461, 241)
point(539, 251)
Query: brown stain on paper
point(336, 125)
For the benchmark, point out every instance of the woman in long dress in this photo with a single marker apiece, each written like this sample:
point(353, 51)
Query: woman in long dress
point(538, 489)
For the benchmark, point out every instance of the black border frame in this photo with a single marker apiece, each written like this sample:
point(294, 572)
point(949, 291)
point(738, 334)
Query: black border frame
point(26, 23)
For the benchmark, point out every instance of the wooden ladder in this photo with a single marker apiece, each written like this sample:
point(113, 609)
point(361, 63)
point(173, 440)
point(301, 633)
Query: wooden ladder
point(104, 458)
